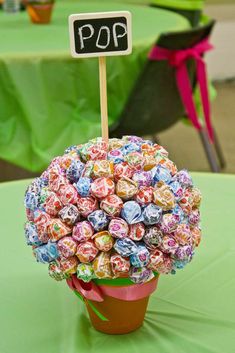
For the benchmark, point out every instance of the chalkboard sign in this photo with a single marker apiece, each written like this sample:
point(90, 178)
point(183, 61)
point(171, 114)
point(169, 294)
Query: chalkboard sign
point(100, 34)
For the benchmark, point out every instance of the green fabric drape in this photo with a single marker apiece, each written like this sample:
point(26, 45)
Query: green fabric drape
point(191, 312)
point(181, 4)
point(49, 100)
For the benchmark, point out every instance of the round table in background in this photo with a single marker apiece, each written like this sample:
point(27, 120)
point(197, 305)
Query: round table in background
point(191, 312)
point(49, 100)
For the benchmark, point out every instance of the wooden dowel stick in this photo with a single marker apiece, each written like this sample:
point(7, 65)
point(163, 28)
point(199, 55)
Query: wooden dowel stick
point(103, 98)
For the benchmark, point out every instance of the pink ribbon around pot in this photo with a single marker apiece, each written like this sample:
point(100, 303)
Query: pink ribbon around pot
point(91, 291)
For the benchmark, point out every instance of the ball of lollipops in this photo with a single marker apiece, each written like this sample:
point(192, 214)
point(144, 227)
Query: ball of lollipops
point(116, 209)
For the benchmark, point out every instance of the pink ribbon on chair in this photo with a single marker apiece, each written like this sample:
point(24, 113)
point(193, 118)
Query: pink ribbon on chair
point(178, 59)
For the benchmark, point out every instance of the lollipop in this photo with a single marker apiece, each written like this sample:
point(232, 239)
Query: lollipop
point(118, 228)
point(85, 272)
point(112, 205)
point(120, 265)
point(102, 266)
point(87, 251)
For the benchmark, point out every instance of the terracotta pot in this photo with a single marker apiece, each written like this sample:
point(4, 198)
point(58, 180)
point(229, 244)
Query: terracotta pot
point(124, 316)
point(40, 14)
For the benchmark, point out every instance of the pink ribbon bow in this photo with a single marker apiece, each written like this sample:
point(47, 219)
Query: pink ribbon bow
point(178, 59)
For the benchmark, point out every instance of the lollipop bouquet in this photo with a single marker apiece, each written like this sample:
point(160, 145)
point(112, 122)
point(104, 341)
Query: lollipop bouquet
point(109, 218)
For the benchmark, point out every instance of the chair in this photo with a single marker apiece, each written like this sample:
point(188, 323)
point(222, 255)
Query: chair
point(155, 104)
point(190, 9)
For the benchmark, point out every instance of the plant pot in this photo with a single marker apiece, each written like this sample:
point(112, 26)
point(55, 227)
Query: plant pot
point(115, 306)
point(40, 14)
point(124, 316)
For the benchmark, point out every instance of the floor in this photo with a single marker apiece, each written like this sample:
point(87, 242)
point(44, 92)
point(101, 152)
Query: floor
point(221, 60)
point(184, 144)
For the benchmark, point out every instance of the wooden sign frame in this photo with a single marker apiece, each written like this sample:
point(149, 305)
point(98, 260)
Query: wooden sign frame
point(100, 15)
point(121, 44)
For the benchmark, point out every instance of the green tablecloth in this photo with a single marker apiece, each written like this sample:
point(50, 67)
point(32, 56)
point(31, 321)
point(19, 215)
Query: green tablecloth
point(49, 100)
point(191, 312)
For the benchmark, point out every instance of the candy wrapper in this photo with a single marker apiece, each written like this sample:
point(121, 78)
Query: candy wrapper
point(85, 272)
point(83, 231)
point(161, 174)
point(136, 231)
point(164, 197)
point(31, 234)
point(182, 234)
point(141, 257)
point(46, 253)
point(132, 212)
point(56, 181)
point(156, 260)
point(125, 247)
point(87, 251)
point(126, 188)
point(103, 168)
point(135, 160)
point(141, 274)
point(99, 220)
point(120, 265)
point(55, 272)
point(109, 209)
point(42, 221)
point(68, 194)
point(87, 205)
point(184, 178)
point(103, 241)
point(118, 228)
point(196, 197)
point(144, 195)
point(194, 218)
point(102, 187)
point(68, 266)
point(69, 214)
point(57, 229)
point(168, 245)
point(116, 156)
point(152, 214)
point(166, 266)
point(184, 252)
point(83, 186)
point(112, 205)
point(196, 235)
point(153, 237)
point(52, 204)
point(122, 170)
point(101, 266)
point(74, 171)
point(67, 247)
point(168, 223)
point(142, 178)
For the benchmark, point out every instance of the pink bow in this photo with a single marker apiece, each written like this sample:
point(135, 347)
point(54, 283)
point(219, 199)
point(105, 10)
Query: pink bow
point(178, 59)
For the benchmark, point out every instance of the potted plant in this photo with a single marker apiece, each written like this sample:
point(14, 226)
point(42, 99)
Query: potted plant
point(40, 10)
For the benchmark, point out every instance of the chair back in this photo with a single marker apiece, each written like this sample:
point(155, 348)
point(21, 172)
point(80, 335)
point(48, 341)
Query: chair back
point(154, 103)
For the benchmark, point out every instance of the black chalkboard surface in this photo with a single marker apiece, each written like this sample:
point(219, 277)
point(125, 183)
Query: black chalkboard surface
point(100, 34)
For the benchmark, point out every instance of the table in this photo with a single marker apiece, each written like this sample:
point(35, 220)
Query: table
point(190, 312)
point(49, 100)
